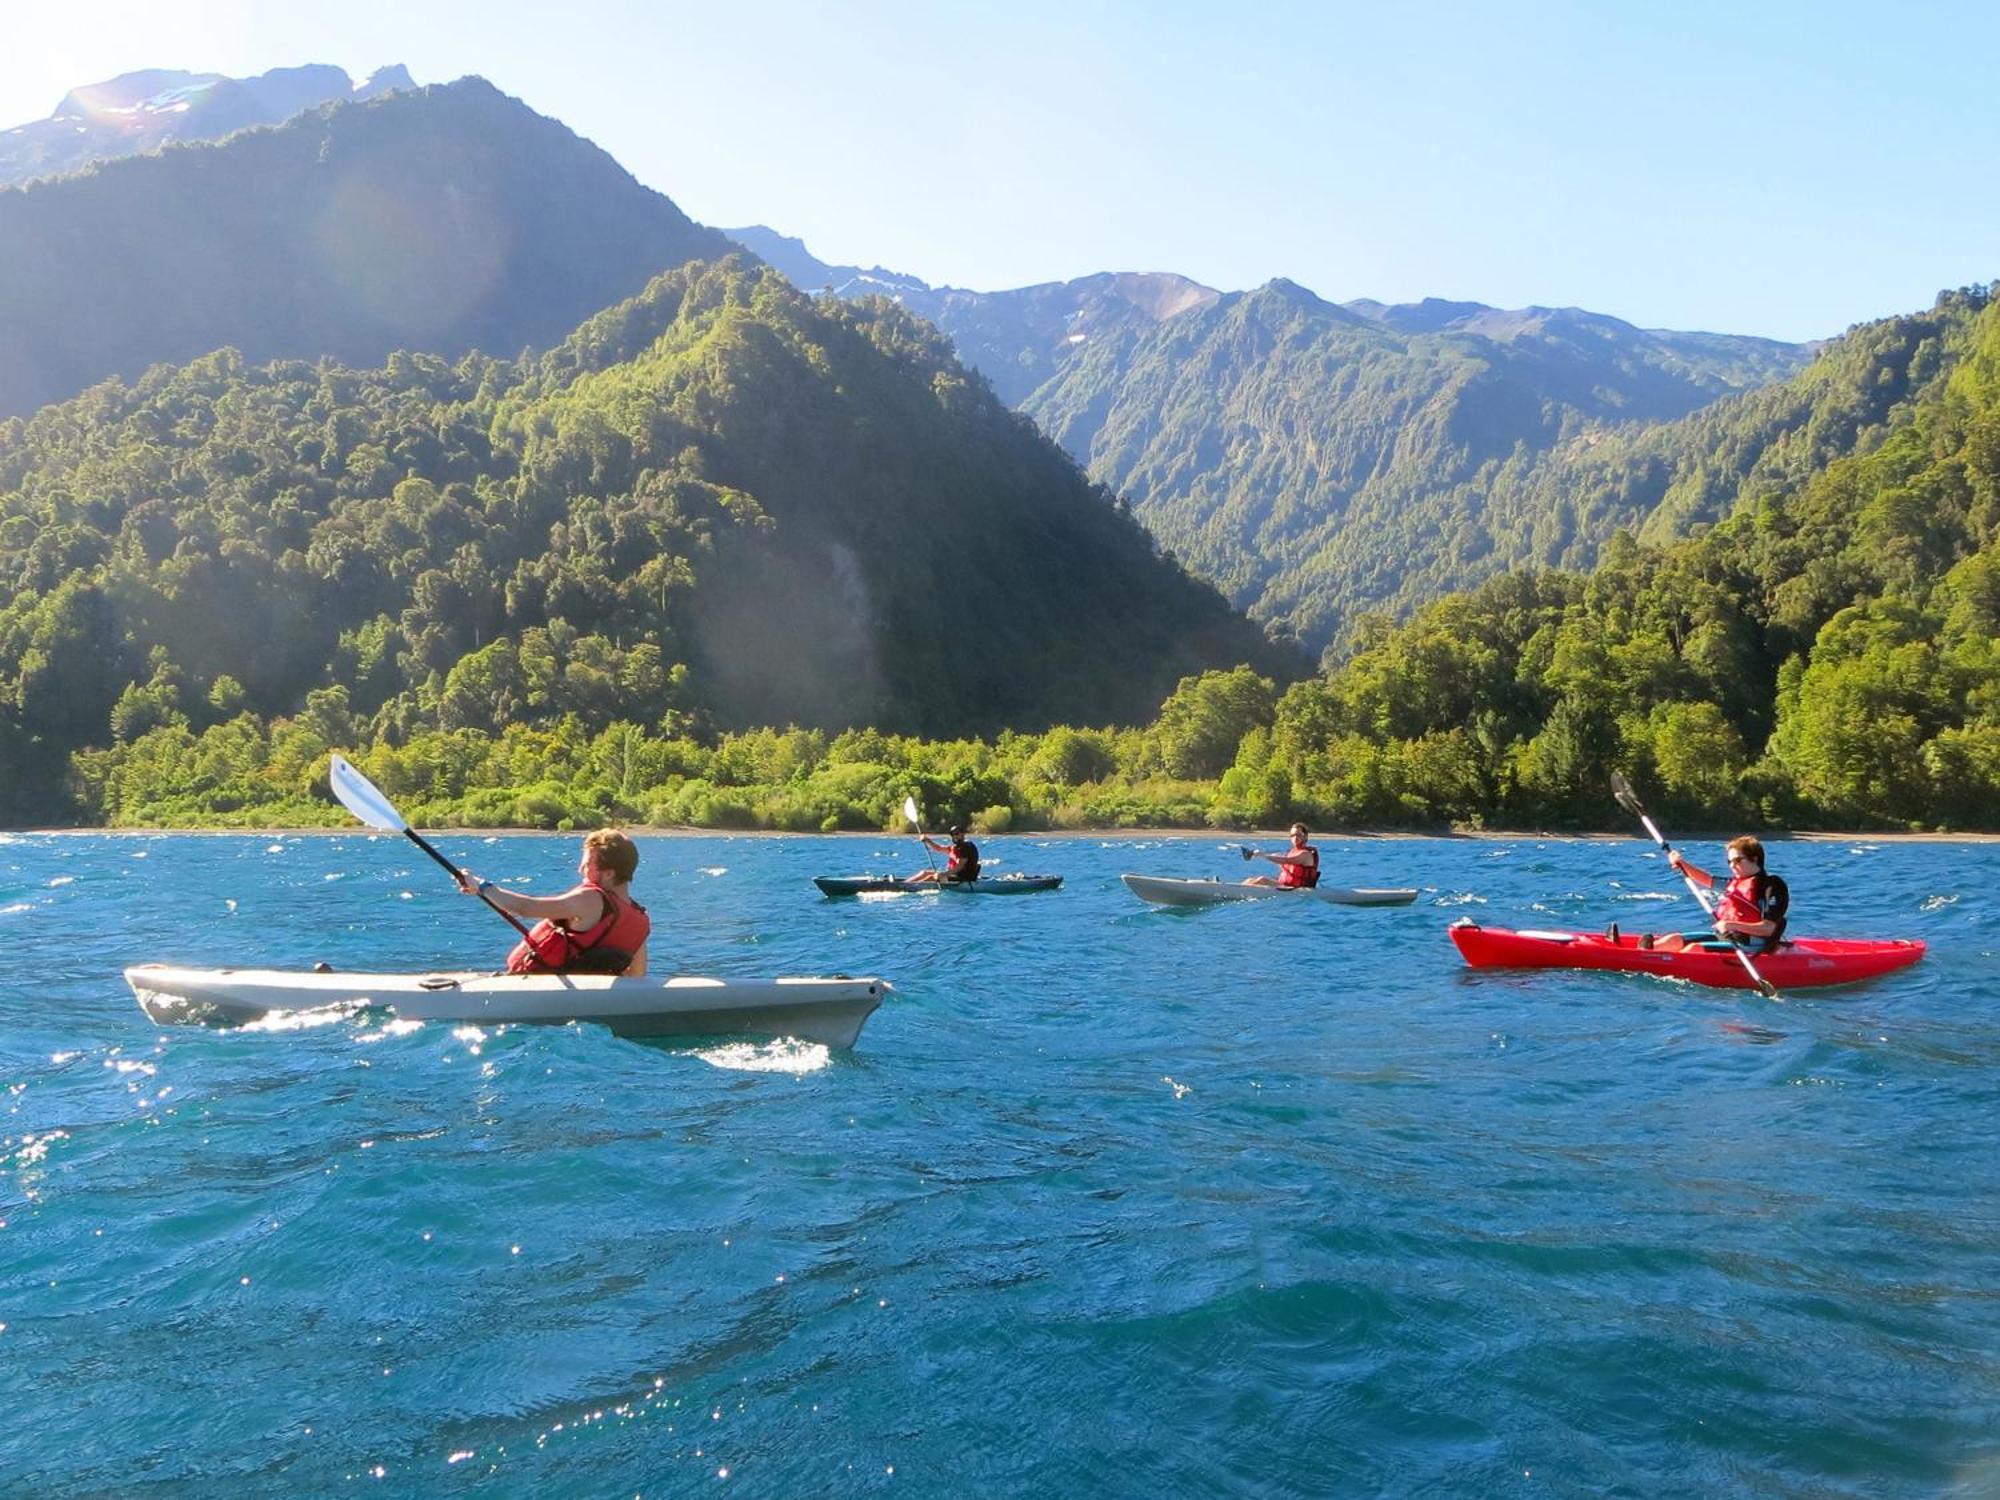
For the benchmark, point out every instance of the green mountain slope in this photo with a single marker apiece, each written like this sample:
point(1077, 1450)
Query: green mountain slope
point(718, 502)
point(1828, 653)
point(1318, 461)
point(1400, 543)
point(444, 219)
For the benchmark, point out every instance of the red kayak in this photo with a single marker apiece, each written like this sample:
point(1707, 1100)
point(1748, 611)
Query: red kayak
point(1797, 964)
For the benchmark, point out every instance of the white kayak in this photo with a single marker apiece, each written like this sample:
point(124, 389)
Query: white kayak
point(830, 1011)
point(1165, 890)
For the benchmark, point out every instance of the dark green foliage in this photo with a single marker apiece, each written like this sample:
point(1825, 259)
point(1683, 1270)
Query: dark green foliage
point(1828, 656)
point(718, 504)
point(446, 219)
point(1320, 461)
point(1203, 723)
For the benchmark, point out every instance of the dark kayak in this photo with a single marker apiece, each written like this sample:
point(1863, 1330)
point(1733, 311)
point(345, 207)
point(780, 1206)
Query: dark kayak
point(1797, 964)
point(1002, 885)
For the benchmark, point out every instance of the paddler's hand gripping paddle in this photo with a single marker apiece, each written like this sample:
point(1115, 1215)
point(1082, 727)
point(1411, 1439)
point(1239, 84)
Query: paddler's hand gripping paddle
point(1629, 800)
point(359, 796)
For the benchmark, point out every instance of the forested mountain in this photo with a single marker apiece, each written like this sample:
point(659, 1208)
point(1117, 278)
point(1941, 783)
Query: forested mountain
point(1316, 460)
point(1661, 482)
point(1828, 655)
point(443, 219)
point(137, 112)
point(720, 502)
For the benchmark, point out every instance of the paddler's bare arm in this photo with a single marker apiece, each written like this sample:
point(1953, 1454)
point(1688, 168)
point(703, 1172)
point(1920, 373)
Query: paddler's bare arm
point(1688, 868)
point(581, 907)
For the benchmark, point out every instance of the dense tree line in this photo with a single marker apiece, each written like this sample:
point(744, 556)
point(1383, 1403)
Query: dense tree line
point(717, 504)
point(493, 583)
point(1828, 654)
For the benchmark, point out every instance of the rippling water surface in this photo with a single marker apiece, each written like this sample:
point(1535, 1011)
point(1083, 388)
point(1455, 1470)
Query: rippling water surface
point(1256, 1200)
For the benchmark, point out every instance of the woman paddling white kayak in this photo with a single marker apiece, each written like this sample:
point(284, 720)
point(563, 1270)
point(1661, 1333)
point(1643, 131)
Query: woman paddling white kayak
point(1298, 866)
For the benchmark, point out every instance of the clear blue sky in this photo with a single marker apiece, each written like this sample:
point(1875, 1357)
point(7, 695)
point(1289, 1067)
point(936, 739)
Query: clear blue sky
point(1783, 169)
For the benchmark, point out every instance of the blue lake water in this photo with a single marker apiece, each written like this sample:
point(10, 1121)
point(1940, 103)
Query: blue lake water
point(1258, 1200)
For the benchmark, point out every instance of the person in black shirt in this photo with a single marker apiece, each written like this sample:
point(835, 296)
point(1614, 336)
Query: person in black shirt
point(962, 858)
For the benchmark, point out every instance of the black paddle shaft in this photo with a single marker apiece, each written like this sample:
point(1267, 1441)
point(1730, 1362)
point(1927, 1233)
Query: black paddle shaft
point(1629, 800)
point(424, 844)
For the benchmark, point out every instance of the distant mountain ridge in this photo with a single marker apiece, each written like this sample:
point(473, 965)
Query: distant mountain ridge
point(1017, 339)
point(1278, 441)
point(806, 271)
point(441, 219)
point(141, 111)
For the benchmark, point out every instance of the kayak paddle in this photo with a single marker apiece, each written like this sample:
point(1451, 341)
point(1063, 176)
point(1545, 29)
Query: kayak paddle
point(1629, 800)
point(910, 812)
point(359, 796)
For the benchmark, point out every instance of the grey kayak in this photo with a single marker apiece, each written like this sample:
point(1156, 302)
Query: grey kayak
point(1165, 890)
point(830, 1011)
point(999, 885)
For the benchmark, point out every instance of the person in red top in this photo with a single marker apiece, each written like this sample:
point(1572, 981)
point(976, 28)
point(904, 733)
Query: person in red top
point(1752, 907)
point(595, 927)
point(1298, 866)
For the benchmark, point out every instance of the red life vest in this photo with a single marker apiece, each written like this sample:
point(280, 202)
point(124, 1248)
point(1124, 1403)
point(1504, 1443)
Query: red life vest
point(1760, 897)
point(1300, 877)
point(606, 948)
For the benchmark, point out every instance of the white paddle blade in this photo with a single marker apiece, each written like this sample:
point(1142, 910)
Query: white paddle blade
point(910, 812)
point(358, 795)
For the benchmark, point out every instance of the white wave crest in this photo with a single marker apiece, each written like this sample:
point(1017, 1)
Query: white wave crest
point(786, 1055)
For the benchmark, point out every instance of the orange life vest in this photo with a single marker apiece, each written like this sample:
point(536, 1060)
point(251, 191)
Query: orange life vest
point(1300, 877)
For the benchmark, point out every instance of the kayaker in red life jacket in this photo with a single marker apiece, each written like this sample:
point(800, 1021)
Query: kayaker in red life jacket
point(1298, 866)
point(1752, 907)
point(593, 928)
point(961, 858)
